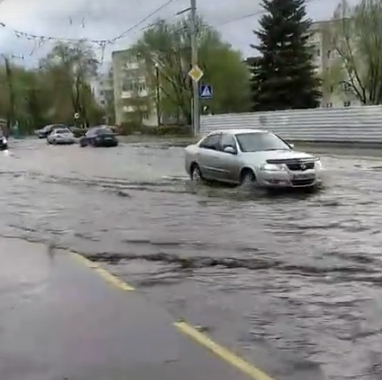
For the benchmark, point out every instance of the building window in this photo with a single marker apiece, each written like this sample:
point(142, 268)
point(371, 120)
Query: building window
point(318, 52)
point(329, 54)
point(329, 105)
point(131, 85)
point(331, 89)
point(347, 104)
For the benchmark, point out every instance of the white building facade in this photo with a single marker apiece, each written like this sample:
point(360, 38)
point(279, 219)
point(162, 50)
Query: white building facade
point(328, 62)
point(132, 94)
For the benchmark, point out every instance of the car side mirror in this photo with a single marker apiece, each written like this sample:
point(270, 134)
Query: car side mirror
point(229, 149)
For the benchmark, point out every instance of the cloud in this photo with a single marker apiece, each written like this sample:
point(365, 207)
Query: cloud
point(101, 19)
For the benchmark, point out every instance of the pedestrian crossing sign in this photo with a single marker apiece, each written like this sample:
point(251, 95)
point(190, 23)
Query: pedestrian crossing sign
point(205, 91)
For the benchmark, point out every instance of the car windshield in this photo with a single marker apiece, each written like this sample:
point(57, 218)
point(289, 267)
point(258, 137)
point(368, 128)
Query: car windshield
point(61, 131)
point(260, 141)
point(104, 131)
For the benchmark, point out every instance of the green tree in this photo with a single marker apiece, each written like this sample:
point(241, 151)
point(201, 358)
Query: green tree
point(283, 76)
point(168, 45)
point(70, 68)
point(357, 39)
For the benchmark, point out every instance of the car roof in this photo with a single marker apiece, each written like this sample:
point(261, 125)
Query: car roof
point(238, 131)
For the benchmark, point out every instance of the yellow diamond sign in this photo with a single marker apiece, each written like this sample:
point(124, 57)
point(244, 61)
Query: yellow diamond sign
point(196, 73)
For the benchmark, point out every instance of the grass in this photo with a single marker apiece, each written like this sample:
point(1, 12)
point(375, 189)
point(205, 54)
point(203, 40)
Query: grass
point(163, 139)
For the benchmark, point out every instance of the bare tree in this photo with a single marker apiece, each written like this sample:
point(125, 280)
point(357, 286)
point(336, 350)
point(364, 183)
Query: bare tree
point(357, 39)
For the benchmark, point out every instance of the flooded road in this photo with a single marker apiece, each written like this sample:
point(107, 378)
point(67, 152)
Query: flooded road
point(297, 274)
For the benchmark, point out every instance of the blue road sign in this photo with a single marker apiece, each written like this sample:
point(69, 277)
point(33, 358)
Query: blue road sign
point(205, 91)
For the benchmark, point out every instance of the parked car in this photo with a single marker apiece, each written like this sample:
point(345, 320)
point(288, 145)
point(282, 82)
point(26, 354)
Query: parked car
point(43, 133)
point(247, 157)
point(99, 136)
point(61, 136)
point(77, 131)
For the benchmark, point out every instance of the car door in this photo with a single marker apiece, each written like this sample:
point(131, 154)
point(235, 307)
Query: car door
point(51, 136)
point(90, 134)
point(228, 163)
point(208, 156)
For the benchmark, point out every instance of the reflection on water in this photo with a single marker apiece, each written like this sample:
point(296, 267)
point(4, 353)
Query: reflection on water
point(296, 272)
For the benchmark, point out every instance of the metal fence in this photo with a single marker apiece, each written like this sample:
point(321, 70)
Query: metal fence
point(338, 125)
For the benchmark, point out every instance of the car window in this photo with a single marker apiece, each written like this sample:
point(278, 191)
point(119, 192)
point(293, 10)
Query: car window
point(260, 141)
point(90, 132)
point(211, 142)
point(61, 131)
point(228, 140)
point(103, 131)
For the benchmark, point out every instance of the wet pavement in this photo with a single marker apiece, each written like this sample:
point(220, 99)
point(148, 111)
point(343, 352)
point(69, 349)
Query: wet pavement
point(60, 321)
point(296, 276)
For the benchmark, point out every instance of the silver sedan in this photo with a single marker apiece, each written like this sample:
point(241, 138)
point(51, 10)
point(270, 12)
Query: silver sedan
point(61, 136)
point(249, 156)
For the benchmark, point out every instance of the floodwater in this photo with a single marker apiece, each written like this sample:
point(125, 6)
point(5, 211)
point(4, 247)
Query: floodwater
point(296, 274)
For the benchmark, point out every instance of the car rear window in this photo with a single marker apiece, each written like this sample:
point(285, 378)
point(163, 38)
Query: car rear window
point(104, 131)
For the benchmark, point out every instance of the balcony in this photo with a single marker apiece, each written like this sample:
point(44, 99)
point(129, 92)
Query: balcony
point(134, 94)
point(131, 66)
point(128, 109)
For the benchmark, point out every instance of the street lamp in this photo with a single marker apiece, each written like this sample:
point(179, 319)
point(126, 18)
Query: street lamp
point(157, 93)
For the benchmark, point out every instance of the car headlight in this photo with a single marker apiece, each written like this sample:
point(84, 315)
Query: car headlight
point(4, 140)
point(272, 167)
point(318, 165)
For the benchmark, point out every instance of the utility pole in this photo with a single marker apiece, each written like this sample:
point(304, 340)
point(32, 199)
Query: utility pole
point(195, 73)
point(194, 62)
point(157, 88)
point(11, 116)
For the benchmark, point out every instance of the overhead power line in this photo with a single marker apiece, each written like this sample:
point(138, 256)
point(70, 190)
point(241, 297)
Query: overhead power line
point(250, 15)
point(123, 34)
point(40, 39)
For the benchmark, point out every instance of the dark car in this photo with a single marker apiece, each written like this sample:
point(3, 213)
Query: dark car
point(47, 130)
point(99, 136)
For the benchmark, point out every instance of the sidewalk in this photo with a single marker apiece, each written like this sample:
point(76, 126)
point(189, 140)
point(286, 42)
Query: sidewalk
point(60, 321)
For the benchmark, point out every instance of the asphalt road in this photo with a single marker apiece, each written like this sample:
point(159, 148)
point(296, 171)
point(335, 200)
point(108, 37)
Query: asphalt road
point(59, 320)
point(296, 276)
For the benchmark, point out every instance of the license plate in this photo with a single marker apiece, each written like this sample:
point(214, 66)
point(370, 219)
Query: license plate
point(303, 176)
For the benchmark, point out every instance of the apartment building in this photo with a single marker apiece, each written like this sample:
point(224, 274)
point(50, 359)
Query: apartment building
point(133, 97)
point(105, 91)
point(326, 59)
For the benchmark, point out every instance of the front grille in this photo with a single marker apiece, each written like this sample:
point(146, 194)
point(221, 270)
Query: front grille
point(303, 182)
point(300, 166)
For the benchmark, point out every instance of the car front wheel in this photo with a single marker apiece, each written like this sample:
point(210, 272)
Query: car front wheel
point(247, 179)
point(196, 174)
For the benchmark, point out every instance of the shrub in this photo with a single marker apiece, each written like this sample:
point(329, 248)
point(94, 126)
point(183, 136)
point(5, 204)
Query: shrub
point(128, 128)
point(171, 130)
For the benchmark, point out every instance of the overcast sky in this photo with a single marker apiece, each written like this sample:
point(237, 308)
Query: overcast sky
point(105, 19)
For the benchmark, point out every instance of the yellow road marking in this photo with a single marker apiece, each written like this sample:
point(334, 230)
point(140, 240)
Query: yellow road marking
point(224, 354)
point(185, 328)
point(106, 275)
